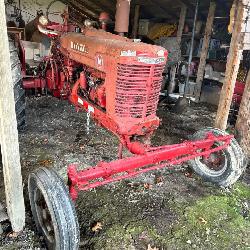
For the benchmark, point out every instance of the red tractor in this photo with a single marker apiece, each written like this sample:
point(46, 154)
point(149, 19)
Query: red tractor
point(117, 81)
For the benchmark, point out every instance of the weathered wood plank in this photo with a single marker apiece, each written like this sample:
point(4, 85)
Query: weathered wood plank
point(204, 51)
point(136, 21)
point(233, 62)
point(247, 33)
point(243, 121)
point(9, 134)
point(182, 19)
point(191, 7)
point(171, 85)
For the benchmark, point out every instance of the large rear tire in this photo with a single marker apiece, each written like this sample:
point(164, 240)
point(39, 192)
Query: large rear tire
point(52, 210)
point(222, 168)
point(19, 93)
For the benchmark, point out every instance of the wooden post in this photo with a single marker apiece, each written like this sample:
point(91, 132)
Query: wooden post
point(9, 134)
point(181, 22)
point(232, 67)
point(243, 121)
point(191, 7)
point(204, 51)
point(182, 19)
point(136, 21)
point(171, 85)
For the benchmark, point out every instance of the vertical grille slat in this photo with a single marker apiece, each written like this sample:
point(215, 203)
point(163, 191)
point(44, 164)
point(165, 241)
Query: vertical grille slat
point(136, 97)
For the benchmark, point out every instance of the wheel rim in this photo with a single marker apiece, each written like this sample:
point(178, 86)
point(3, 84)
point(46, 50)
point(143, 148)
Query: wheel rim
point(215, 163)
point(44, 216)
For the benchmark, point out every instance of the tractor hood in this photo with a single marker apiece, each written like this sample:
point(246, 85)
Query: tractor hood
point(86, 47)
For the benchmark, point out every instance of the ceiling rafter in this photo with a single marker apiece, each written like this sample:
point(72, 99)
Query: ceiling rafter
point(161, 10)
point(83, 10)
point(191, 7)
point(148, 3)
point(80, 10)
point(105, 6)
point(77, 16)
point(85, 7)
point(170, 12)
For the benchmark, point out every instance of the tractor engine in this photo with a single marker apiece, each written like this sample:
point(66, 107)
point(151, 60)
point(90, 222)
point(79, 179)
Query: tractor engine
point(95, 88)
point(122, 78)
point(115, 79)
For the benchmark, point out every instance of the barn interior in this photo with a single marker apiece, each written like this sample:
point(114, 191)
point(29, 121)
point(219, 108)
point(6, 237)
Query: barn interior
point(205, 83)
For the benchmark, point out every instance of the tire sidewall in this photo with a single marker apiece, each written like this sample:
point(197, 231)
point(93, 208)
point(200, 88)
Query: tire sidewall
point(59, 206)
point(234, 160)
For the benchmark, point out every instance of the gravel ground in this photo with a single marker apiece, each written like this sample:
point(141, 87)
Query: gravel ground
point(55, 136)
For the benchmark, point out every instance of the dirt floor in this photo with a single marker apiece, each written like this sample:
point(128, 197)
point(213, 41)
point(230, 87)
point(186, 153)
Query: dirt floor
point(159, 210)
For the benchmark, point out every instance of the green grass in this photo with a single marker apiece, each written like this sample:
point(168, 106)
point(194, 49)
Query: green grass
point(219, 221)
point(216, 222)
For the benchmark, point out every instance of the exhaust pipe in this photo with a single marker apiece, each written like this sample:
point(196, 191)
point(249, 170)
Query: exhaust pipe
point(122, 16)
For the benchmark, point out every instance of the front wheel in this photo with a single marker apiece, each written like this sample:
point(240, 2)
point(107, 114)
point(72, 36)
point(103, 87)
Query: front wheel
point(52, 210)
point(223, 167)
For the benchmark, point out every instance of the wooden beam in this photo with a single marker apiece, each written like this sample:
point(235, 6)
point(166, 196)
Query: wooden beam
point(168, 10)
point(232, 67)
point(191, 8)
point(171, 85)
point(204, 50)
point(100, 5)
point(9, 134)
point(76, 15)
point(136, 21)
point(182, 19)
point(84, 8)
point(243, 121)
point(148, 3)
point(144, 12)
point(83, 11)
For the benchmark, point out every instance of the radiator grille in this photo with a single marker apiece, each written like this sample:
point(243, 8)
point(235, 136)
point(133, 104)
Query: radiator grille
point(137, 90)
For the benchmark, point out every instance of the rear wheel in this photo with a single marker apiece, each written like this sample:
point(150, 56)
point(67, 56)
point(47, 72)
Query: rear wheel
point(52, 210)
point(222, 168)
point(19, 93)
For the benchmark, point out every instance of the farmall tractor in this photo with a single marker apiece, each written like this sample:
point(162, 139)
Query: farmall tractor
point(117, 81)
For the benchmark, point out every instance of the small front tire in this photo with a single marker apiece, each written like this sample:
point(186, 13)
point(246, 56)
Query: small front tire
point(223, 168)
point(52, 210)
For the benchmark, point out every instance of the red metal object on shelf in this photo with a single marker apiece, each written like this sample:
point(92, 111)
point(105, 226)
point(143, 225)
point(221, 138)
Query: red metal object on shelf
point(117, 81)
point(238, 92)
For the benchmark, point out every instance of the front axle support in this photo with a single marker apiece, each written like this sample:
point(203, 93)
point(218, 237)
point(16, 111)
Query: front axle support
point(154, 159)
